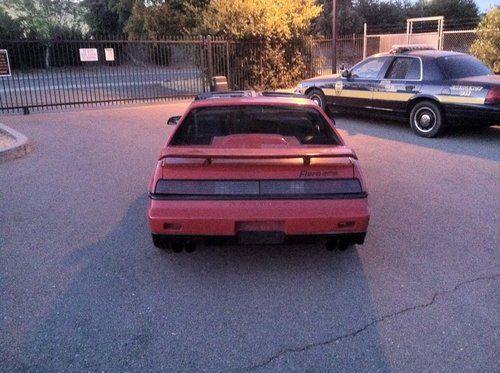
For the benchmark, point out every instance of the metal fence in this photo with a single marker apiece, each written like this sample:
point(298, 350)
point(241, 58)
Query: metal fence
point(50, 73)
point(456, 40)
point(70, 73)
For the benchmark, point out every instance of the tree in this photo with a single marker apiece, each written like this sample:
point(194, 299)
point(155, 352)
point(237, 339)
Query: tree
point(487, 45)
point(46, 19)
point(348, 20)
point(277, 19)
point(10, 28)
point(454, 11)
point(272, 32)
point(107, 17)
point(391, 15)
point(165, 18)
point(383, 14)
point(39, 18)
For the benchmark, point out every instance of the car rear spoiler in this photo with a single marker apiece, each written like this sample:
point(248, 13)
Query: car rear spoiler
point(246, 94)
point(267, 153)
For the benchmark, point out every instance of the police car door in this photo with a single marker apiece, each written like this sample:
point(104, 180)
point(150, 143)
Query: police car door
point(402, 80)
point(356, 89)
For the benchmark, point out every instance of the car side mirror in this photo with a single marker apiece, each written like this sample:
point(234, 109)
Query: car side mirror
point(346, 74)
point(172, 121)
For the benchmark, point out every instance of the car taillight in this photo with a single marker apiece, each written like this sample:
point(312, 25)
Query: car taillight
point(258, 188)
point(493, 96)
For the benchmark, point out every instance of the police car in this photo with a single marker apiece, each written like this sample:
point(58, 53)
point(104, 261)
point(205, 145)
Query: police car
point(431, 88)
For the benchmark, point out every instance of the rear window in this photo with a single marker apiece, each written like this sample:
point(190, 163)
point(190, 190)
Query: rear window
point(306, 125)
point(462, 66)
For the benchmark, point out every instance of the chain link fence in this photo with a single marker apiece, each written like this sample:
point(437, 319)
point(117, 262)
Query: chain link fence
point(459, 40)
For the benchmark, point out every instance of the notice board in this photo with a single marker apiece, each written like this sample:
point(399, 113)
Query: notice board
point(4, 63)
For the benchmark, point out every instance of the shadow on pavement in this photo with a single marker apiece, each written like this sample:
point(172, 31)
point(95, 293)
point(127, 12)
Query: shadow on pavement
point(458, 140)
point(131, 306)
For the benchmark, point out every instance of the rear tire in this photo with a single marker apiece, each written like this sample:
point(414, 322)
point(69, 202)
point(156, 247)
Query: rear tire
point(426, 119)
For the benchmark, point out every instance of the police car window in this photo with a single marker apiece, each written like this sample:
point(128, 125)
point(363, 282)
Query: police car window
point(203, 125)
point(462, 66)
point(368, 69)
point(404, 68)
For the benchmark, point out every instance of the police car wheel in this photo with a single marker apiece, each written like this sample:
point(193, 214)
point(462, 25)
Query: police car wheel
point(426, 119)
point(318, 98)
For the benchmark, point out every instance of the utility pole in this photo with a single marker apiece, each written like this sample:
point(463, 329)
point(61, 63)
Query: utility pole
point(334, 36)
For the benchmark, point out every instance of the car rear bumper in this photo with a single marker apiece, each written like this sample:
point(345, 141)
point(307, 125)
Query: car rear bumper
point(473, 115)
point(245, 220)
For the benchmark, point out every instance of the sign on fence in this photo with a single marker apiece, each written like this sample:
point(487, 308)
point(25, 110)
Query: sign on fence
point(88, 55)
point(109, 54)
point(4, 63)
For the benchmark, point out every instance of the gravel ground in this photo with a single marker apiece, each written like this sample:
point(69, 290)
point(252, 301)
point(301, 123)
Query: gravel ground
point(5, 140)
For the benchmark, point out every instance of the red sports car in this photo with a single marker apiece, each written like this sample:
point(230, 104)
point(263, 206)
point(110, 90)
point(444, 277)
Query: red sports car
point(256, 168)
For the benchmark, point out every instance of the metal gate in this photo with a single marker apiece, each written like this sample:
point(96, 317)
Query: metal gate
point(68, 73)
point(426, 30)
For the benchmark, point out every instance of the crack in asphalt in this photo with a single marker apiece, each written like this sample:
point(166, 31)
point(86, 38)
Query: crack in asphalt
point(376, 321)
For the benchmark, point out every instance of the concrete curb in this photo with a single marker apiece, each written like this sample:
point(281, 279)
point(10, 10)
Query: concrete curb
point(20, 148)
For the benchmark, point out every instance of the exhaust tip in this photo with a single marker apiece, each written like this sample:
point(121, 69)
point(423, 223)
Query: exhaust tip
point(190, 246)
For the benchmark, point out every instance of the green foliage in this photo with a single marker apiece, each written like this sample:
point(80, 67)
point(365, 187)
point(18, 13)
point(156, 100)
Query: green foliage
point(386, 13)
point(487, 45)
point(282, 66)
point(107, 17)
point(276, 19)
point(10, 28)
point(164, 18)
point(452, 10)
point(46, 18)
point(272, 30)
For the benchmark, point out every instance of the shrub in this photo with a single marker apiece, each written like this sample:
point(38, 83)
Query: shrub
point(487, 45)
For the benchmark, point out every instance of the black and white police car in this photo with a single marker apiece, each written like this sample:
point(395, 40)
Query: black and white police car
point(431, 88)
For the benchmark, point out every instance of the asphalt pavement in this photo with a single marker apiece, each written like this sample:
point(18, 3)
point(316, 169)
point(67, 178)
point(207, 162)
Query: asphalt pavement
point(83, 288)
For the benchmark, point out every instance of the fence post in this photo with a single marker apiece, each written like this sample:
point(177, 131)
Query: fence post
point(210, 59)
point(228, 67)
point(203, 68)
point(365, 40)
point(409, 28)
point(261, 59)
point(440, 31)
point(309, 49)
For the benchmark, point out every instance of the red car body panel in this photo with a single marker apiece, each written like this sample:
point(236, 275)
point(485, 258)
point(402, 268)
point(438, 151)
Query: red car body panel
point(227, 218)
point(257, 157)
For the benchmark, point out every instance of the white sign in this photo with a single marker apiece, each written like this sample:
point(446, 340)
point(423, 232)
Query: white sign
point(4, 63)
point(88, 54)
point(109, 54)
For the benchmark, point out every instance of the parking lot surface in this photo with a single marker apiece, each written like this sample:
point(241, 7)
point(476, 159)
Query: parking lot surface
point(83, 288)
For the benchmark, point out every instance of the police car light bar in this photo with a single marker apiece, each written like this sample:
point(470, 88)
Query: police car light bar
point(411, 47)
